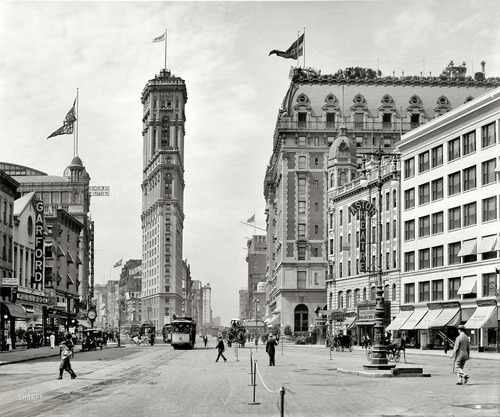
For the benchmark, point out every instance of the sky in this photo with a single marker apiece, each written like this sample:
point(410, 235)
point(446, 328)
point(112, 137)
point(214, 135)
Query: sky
point(235, 89)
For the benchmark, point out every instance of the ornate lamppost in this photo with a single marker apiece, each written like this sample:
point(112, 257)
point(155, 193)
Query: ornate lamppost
point(379, 353)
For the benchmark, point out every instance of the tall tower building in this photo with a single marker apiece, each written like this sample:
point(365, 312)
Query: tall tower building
point(163, 99)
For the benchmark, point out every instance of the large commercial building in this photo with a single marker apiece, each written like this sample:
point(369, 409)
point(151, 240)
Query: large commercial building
point(375, 111)
point(450, 226)
point(163, 269)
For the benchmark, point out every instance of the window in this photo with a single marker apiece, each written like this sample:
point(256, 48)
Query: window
point(423, 194)
point(387, 200)
point(488, 135)
point(437, 222)
point(302, 117)
point(424, 226)
point(302, 186)
point(454, 183)
point(454, 218)
point(340, 217)
point(394, 198)
point(437, 256)
point(454, 149)
point(387, 231)
point(423, 162)
point(409, 198)
point(330, 119)
point(302, 162)
point(453, 249)
point(470, 214)
point(409, 293)
point(410, 230)
point(302, 229)
point(489, 209)
point(423, 291)
point(386, 120)
point(437, 189)
point(489, 285)
point(342, 178)
point(437, 156)
point(409, 167)
point(340, 270)
point(301, 279)
point(302, 207)
point(410, 261)
point(437, 290)
point(424, 261)
point(348, 298)
point(394, 259)
point(469, 143)
point(453, 286)
point(469, 178)
point(488, 170)
point(394, 229)
point(373, 294)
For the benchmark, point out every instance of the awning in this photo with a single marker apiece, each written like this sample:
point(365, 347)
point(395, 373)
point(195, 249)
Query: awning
point(468, 286)
point(70, 280)
point(69, 258)
point(468, 248)
point(497, 245)
point(414, 319)
point(274, 320)
point(15, 310)
point(399, 320)
point(60, 252)
point(487, 244)
point(84, 323)
point(277, 310)
point(428, 319)
point(448, 317)
point(348, 323)
point(78, 260)
point(485, 316)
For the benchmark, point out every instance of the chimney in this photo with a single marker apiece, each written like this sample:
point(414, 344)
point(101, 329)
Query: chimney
point(483, 67)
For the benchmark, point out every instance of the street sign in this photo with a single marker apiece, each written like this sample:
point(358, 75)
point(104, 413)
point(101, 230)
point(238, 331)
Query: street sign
point(99, 190)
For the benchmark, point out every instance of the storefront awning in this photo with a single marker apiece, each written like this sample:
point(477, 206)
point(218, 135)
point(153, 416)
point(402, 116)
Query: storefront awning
point(468, 248)
point(468, 286)
point(428, 319)
point(399, 320)
point(78, 260)
point(348, 323)
point(70, 280)
point(448, 317)
point(274, 320)
point(484, 316)
point(487, 244)
point(69, 258)
point(414, 319)
point(15, 310)
point(60, 252)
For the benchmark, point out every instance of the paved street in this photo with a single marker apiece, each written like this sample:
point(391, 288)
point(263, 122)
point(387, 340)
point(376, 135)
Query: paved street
point(137, 381)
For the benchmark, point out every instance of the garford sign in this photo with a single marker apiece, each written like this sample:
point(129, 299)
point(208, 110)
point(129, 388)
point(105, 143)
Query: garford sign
point(99, 190)
point(39, 243)
point(363, 208)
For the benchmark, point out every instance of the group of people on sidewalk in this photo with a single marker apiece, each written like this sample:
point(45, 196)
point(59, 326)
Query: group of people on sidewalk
point(270, 349)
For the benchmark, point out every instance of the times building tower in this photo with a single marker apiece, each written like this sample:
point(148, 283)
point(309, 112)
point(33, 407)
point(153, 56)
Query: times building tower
point(163, 99)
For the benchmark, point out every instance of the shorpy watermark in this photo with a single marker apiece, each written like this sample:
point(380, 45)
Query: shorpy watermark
point(30, 397)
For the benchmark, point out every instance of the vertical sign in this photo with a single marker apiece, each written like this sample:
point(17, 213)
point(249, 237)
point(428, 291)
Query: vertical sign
point(91, 289)
point(362, 208)
point(39, 243)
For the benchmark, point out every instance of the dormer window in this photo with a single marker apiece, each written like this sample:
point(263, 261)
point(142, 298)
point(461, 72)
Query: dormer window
point(302, 118)
point(330, 119)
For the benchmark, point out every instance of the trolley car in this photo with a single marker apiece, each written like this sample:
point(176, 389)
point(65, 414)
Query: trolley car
point(183, 331)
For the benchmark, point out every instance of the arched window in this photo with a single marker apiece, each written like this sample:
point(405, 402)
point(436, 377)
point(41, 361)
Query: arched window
point(393, 292)
point(331, 300)
point(364, 294)
point(342, 178)
point(340, 300)
point(372, 293)
point(348, 299)
point(356, 297)
point(394, 198)
point(332, 180)
point(301, 318)
point(386, 292)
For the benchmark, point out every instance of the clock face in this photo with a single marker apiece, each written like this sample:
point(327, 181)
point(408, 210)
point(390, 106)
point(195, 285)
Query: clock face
point(91, 314)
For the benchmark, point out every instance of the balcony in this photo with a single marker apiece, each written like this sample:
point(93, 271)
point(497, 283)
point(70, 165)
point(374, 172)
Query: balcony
point(321, 125)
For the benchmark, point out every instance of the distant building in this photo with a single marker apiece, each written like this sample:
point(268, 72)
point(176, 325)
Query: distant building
point(206, 293)
point(256, 259)
point(130, 293)
point(244, 304)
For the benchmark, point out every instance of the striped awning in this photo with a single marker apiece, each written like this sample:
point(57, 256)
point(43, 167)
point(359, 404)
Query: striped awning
point(448, 317)
point(484, 316)
point(399, 320)
point(468, 248)
point(15, 310)
point(414, 319)
point(468, 285)
point(487, 244)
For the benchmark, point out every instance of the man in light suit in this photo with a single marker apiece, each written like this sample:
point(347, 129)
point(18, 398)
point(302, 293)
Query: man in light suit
point(461, 352)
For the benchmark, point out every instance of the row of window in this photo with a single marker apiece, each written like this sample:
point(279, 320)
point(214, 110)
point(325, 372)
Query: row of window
point(459, 181)
point(461, 146)
point(6, 212)
point(434, 290)
point(352, 298)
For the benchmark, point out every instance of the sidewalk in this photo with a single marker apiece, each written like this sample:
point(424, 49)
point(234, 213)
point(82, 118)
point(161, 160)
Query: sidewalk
point(24, 354)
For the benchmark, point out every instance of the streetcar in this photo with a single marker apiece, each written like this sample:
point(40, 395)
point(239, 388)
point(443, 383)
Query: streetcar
point(183, 333)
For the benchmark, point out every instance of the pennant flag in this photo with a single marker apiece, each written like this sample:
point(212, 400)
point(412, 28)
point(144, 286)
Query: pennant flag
point(251, 219)
point(160, 38)
point(295, 50)
point(67, 127)
point(116, 265)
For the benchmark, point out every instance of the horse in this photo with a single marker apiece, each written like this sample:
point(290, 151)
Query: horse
point(395, 348)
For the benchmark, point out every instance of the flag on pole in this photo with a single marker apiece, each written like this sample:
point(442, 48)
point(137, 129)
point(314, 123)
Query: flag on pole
point(251, 219)
point(160, 38)
point(67, 127)
point(295, 50)
point(116, 265)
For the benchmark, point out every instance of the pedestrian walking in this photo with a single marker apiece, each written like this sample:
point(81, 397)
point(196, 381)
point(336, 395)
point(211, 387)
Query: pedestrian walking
point(52, 338)
point(220, 347)
point(271, 349)
point(461, 353)
point(66, 354)
point(205, 340)
point(446, 346)
point(256, 343)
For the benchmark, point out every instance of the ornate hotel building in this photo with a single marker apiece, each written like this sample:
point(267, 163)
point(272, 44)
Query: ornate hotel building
point(163, 269)
point(307, 264)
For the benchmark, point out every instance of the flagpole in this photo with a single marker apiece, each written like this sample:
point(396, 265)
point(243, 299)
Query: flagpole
point(304, 47)
point(297, 48)
point(165, 48)
point(76, 130)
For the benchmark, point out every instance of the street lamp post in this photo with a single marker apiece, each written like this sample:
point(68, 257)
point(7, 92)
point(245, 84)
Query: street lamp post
point(379, 352)
point(255, 301)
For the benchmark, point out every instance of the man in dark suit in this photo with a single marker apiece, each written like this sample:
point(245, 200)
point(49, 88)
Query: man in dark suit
point(461, 352)
point(271, 349)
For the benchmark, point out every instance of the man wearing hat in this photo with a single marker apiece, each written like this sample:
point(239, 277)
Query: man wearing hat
point(271, 349)
point(461, 352)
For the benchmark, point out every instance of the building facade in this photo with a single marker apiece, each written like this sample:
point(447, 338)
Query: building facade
point(256, 260)
point(163, 99)
point(450, 226)
point(206, 295)
point(376, 111)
